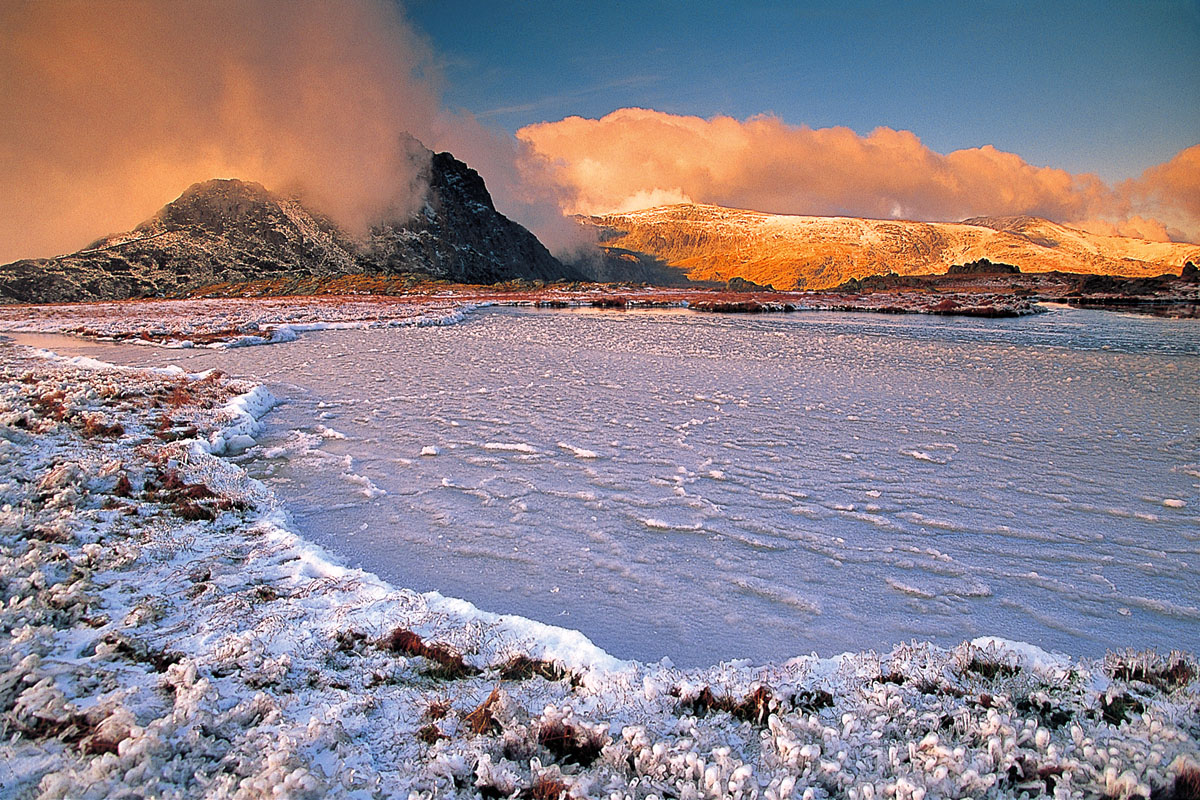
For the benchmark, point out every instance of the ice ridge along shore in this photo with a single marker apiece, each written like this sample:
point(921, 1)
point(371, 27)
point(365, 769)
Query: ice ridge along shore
point(166, 635)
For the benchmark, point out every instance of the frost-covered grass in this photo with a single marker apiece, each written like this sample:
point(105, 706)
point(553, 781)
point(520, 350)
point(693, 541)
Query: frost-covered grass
point(165, 635)
point(228, 322)
point(244, 321)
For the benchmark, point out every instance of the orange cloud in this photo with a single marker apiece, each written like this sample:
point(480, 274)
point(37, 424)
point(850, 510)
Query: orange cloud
point(1172, 189)
point(110, 110)
point(1136, 227)
point(635, 156)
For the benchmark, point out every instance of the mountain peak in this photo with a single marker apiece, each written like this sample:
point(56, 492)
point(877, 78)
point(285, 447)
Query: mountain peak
point(221, 205)
point(449, 175)
point(234, 231)
point(459, 235)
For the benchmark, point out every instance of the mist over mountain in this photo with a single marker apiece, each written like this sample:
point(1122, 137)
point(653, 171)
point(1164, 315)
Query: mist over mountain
point(712, 243)
point(223, 231)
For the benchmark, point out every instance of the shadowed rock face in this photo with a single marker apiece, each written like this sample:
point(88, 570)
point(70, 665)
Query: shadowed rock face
point(458, 235)
point(223, 231)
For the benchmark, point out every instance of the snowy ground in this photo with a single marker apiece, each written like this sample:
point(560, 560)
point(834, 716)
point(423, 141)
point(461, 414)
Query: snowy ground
point(229, 321)
point(246, 321)
point(167, 636)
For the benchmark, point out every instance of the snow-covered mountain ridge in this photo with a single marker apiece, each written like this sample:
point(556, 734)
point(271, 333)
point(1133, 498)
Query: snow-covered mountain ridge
point(713, 243)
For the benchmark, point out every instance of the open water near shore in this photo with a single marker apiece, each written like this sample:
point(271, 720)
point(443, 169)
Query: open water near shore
point(708, 487)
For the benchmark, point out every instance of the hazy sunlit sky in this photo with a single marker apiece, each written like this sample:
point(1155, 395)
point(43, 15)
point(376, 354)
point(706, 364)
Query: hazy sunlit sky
point(1085, 113)
point(1103, 87)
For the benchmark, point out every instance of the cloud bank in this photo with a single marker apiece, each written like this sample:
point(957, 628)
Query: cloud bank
point(634, 158)
point(110, 110)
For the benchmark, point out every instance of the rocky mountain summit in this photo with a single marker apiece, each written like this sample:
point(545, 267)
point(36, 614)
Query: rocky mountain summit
point(712, 243)
point(229, 231)
point(458, 235)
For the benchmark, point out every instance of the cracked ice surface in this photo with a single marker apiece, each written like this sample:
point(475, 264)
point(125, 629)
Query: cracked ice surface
point(718, 487)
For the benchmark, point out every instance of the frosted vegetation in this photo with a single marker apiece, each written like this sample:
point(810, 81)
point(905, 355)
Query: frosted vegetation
point(168, 634)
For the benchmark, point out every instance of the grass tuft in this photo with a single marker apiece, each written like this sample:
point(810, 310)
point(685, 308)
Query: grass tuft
point(568, 743)
point(482, 721)
point(811, 702)
point(990, 669)
point(430, 734)
point(1050, 716)
point(754, 708)
point(437, 709)
point(545, 788)
point(1119, 709)
point(348, 641)
point(522, 668)
point(445, 664)
point(1187, 786)
point(1163, 673)
point(94, 425)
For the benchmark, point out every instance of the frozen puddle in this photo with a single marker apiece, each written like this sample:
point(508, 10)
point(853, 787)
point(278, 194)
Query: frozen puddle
point(705, 487)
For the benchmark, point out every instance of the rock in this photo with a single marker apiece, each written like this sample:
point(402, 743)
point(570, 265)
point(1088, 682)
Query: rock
point(982, 267)
point(458, 235)
point(738, 284)
point(230, 231)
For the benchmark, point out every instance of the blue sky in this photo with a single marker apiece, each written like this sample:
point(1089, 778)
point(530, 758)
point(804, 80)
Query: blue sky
point(1104, 87)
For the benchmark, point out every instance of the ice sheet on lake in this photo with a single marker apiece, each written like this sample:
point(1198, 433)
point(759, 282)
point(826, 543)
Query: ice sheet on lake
point(703, 487)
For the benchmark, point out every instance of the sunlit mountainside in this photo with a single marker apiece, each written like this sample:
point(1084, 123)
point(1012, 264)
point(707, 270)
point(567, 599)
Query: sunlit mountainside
point(713, 243)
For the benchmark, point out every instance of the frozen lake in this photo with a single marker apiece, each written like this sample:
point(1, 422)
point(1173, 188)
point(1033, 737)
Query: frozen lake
point(708, 487)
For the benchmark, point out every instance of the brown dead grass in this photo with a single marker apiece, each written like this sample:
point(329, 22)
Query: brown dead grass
point(445, 664)
point(754, 708)
point(1164, 673)
point(1119, 709)
point(194, 502)
point(1187, 785)
point(568, 743)
point(430, 734)
point(545, 788)
point(92, 425)
point(990, 668)
point(51, 405)
point(437, 709)
point(523, 668)
point(482, 721)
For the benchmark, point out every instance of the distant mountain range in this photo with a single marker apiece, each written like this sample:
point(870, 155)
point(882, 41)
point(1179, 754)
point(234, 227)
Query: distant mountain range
point(229, 231)
point(222, 234)
point(711, 243)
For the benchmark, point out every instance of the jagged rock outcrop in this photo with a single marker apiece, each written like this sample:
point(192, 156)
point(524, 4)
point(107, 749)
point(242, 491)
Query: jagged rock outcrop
point(711, 243)
point(736, 284)
point(458, 235)
point(230, 231)
point(982, 267)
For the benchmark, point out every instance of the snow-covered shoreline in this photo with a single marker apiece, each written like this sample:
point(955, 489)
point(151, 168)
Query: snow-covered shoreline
point(167, 635)
point(231, 322)
point(241, 321)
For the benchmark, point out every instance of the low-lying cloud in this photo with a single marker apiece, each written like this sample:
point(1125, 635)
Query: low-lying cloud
point(110, 110)
point(634, 158)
